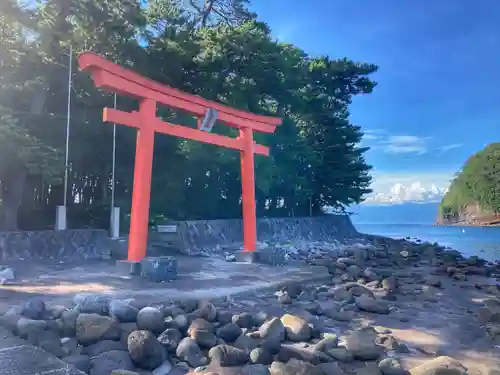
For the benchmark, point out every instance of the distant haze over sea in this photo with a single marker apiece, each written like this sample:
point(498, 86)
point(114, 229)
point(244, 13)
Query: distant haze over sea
point(403, 213)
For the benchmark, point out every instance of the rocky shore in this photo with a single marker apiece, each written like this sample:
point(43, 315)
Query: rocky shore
point(391, 308)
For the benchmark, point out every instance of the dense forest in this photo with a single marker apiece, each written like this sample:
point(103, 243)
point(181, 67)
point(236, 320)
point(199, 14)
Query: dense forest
point(217, 49)
point(475, 191)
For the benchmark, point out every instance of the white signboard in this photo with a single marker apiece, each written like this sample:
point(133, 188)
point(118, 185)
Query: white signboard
point(166, 228)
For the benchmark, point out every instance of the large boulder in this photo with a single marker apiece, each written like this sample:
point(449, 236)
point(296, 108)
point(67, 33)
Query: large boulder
point(274, 329)
point(296, 328)
point(91, 328)
point(106, 362)
point(34, 309)
point(440, 366)
point(227, 355)
point(123, 311)
point(145, 350)
point(151, 319)
point(372, 305)
point(92, 303)
point(362, 345)
point(189, 351)
point(230, 332)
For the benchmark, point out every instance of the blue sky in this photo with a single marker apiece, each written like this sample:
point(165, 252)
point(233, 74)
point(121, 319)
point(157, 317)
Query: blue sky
point(438, 94)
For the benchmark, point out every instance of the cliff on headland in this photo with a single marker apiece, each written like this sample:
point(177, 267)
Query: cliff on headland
point(474, 195)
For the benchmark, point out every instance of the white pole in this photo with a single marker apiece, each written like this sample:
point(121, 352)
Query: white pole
point(114, 163)
point(68, 120)
point(112, 216)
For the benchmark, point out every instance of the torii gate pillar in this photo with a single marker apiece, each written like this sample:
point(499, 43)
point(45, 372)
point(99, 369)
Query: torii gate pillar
point(115, 79)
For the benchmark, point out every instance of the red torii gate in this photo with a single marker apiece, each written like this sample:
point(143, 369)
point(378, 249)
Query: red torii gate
point(114, 78)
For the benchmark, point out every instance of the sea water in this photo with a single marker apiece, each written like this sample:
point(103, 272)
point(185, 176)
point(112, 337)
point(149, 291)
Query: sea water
point(481, 241)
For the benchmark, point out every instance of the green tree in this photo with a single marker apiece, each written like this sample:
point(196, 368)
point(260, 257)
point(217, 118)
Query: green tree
point(477, 183)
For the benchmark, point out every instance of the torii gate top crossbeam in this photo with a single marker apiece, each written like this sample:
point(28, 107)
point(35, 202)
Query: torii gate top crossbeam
point(115, 78)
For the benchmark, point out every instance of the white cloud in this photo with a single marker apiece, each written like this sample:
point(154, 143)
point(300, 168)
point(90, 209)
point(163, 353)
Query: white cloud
point(378, 139)
point(451, 147)
point(392, 188)
point(405, 144)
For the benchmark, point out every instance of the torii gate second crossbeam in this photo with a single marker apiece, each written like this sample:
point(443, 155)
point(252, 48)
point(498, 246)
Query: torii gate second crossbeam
point(116, 79)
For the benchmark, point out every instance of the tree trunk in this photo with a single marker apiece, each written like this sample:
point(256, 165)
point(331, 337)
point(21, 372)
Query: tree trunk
point(13, 182)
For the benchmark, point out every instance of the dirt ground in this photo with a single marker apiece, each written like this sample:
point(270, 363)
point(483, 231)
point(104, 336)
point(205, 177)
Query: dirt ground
point(197, 278)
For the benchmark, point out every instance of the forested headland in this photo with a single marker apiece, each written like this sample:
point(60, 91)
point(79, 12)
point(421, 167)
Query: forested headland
point(217, 49)
point(474, 195)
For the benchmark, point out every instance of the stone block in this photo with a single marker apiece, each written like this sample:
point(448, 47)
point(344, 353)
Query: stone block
point(30, 360)
point(129, 267)
point(162, 268)
point(267, 256)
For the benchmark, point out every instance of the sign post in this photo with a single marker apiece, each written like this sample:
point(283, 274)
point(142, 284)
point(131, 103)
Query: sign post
point(116, 79)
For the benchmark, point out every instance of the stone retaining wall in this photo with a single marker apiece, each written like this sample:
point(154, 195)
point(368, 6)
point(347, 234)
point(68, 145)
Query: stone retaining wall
point(52, 244)
point(203, 234)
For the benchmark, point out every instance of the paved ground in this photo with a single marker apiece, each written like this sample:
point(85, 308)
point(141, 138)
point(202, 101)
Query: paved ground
point(198, 278)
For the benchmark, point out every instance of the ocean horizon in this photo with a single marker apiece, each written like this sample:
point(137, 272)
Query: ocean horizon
point(469, 240)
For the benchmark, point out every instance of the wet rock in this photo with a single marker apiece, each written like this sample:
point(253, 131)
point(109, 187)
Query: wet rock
point(164, 369)
point(123, 311)
point(67, 322)
point(341, 355)
point(205, 339)
point(246, 343)
point(106, 362)
point(326, 344)
point(296, 328)
point(179, 322)
point(301, 352)
point(330, 368)
point(354, 271)
point(104, 346)
point(151, 319)
point(227, 355)
point(370, 274)
point(81, 362)
point(126, 329)
point(54, 311)
point(256, 369)
point(92, 303)
point(34, 309)
point(224, 317)
point(91, 328)
point(362, 345)
point(440, 366)
point(29, 327)
point(273, 329)
point(292, 289)
point(339, 315)
point(244, 320)
point(230, 332)
point(125, 372)
point(50, 341)
point(347, 261)
point(390, 284)
point(207, 311)
point(261, 356)
point(294, 367)
point(170, 339)
point(145, 350)
point(372, 305)
point(369, 369)
point(391, 366)
point(189, 351)
point(200, 324)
